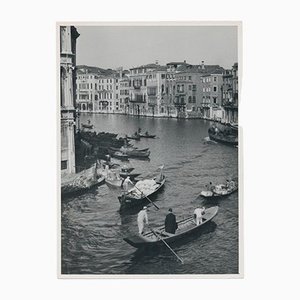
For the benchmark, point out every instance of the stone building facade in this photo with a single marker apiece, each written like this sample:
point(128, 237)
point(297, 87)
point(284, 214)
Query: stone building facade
point(68, 36)
point(177, 89)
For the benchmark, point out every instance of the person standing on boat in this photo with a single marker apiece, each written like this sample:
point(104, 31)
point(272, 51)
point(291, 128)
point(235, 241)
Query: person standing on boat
point(198, 212)
point(161, 175)
point(170, 222)
point(126, 183)
point(142, 219)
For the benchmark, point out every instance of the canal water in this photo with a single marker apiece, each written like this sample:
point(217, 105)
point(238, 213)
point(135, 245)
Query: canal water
point(93, 228)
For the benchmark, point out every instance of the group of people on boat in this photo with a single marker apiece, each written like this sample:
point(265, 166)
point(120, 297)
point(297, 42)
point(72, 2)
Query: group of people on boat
point(229, 185)
point(170, 221)
point(216, 130)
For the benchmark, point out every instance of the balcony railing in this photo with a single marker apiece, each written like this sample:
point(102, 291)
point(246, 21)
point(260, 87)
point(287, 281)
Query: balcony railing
point(137, 100)
point(179, 103)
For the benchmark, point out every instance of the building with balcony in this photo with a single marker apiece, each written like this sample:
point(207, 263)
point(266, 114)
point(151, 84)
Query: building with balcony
point(68, 36)
point(87, 89)
point(212, 95)
point(138, 89)
point(230, 95)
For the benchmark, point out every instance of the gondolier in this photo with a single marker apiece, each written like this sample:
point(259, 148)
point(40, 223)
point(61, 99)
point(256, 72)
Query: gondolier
point(126, 182)
point(142, 219)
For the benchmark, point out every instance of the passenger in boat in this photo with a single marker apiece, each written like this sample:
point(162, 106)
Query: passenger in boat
point(227, 184)
point(198, 212)
point(126, 183)
point(170, 222)
point(142, 219)
point(146, 133)
point(211, 187)
point(231, 184)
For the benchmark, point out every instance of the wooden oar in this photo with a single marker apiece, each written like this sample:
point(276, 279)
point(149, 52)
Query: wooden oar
point(179, 258)
point(147, 198)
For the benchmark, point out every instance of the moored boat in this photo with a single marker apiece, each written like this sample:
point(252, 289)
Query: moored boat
point(132, 176)
point(149, 136)
point(224, 135)
point(186, 227)
point(81, 182)
point(89, 126)
point(143, 189)
point(118, 155)
point(136, 137)
point(131, 152)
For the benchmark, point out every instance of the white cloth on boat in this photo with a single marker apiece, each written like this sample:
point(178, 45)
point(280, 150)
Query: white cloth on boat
point(142, 219)
point(146, 186)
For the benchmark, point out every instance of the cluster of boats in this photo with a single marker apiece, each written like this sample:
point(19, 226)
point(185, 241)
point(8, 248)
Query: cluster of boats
point(143, 191)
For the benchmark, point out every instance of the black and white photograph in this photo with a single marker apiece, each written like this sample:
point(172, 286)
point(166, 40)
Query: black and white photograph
point(149, 149)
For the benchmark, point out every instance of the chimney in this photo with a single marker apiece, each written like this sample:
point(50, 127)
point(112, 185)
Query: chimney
point(202, 65)
point(156, 62)
point(184, 61)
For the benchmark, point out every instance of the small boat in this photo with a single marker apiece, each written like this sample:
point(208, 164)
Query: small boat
point(137, 196)
point(78, 183)
point(220, 190)
point(119, 155)
point(149, 136)
point(136, 137)
point(132, 176)
point(185, 228)
point(126, 169)
point(223, 137)
point(89, 126)
point(135, 152)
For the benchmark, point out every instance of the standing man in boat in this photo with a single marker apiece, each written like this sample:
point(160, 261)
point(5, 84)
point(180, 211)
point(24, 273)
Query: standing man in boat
point(126, 183)
point(142, 219)
point(170, 222)
point(198, 212)
point(161, 175)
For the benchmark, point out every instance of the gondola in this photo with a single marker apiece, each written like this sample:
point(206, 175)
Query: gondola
point(89, 126)
point(118, 155)
point(132, 176)
point(149, 136)
point(136, 137)
point(186, 227)
point(135, 198)
point(135, 152)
